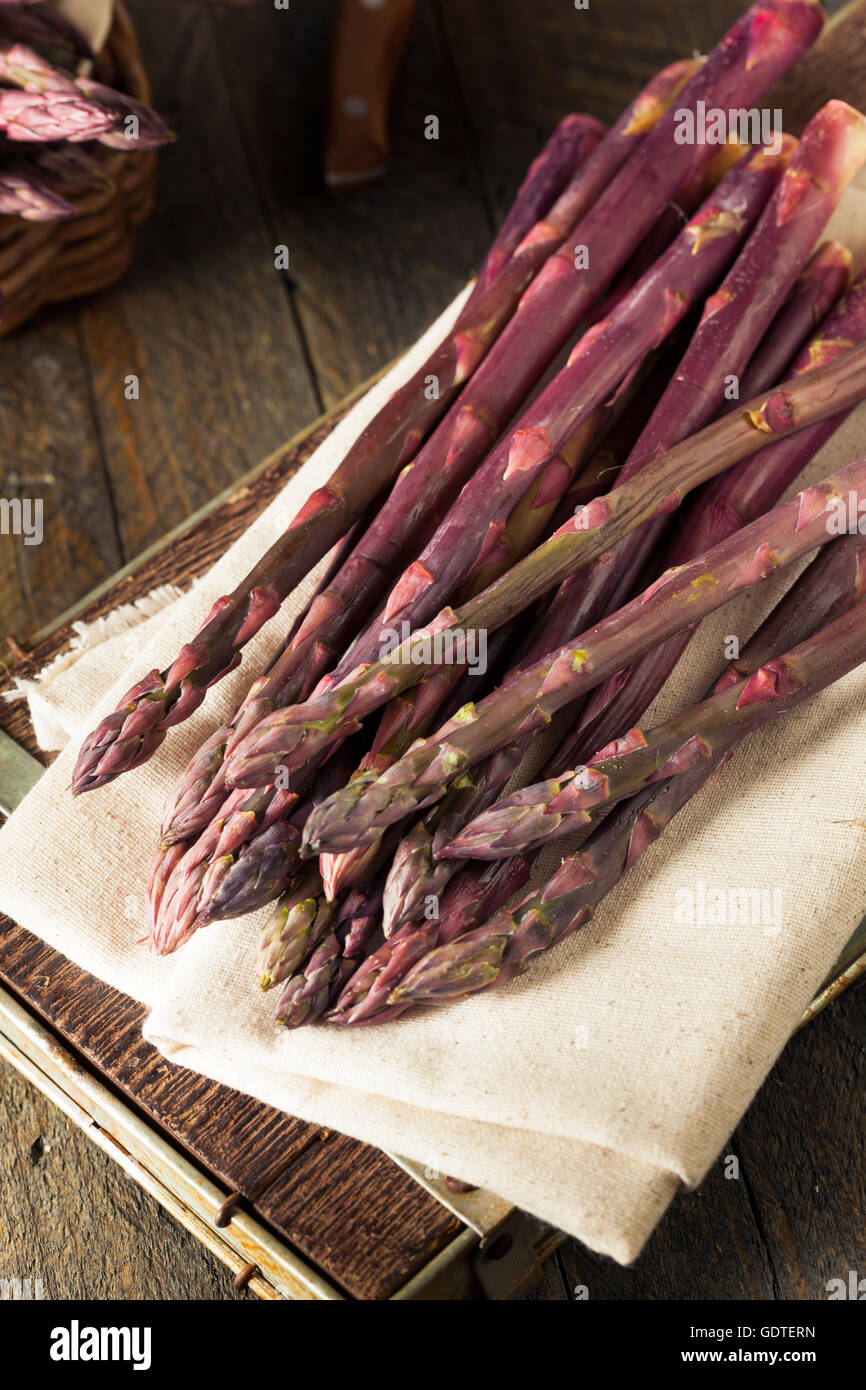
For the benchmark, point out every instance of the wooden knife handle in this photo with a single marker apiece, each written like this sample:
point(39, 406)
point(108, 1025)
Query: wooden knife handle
point(366, 47)
point(834, 67)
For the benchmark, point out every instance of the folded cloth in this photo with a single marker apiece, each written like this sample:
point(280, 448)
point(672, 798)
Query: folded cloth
point(612, 1072)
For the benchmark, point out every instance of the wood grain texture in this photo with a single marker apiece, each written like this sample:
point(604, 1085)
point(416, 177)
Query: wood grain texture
point(370, 268)
point(232, 358)
point(332, 1190)
point(202, 320)
point(72, 1219)
point(836, 67)
point(46, 422)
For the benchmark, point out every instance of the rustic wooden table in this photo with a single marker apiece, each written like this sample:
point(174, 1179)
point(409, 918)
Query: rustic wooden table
point(233, 357)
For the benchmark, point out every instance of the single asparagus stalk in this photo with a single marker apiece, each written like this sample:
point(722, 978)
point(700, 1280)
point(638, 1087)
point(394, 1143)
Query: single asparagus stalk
point(831, 590)
point(817, 289)
point(24, 193)
point(289, 737)
point(135, 126)
point(757, 50)
point(546, 179)
point(728, 503)
point(528, 699)
point(420, 491)
point(316, 985)
point(300, 921)
point(364, 996)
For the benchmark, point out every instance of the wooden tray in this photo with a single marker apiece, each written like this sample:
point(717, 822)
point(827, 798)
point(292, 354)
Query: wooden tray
point(295, 1211)
point(317, 1215)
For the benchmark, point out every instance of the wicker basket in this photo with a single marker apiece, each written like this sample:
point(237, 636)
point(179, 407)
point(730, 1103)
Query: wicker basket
point(44, 262)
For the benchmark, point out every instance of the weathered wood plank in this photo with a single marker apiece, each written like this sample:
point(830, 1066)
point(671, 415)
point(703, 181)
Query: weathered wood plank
point(802, 1153)
point(370, 268)
point(707, 1246)
point(330, 1188)
point(73, 1220)
point(201, 319)
point(49, 449)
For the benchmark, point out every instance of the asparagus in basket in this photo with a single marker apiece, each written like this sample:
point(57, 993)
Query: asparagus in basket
point(830, 591)
point(757, 50)
point(45, 103)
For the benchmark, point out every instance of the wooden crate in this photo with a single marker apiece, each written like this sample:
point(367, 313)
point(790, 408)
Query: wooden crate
point(296, 1211)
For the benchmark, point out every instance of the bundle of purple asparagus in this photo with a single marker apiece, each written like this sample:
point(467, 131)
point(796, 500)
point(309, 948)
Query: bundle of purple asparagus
point(49, 107)
point(710, 346)
point(757, 50)
point(766, 679)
